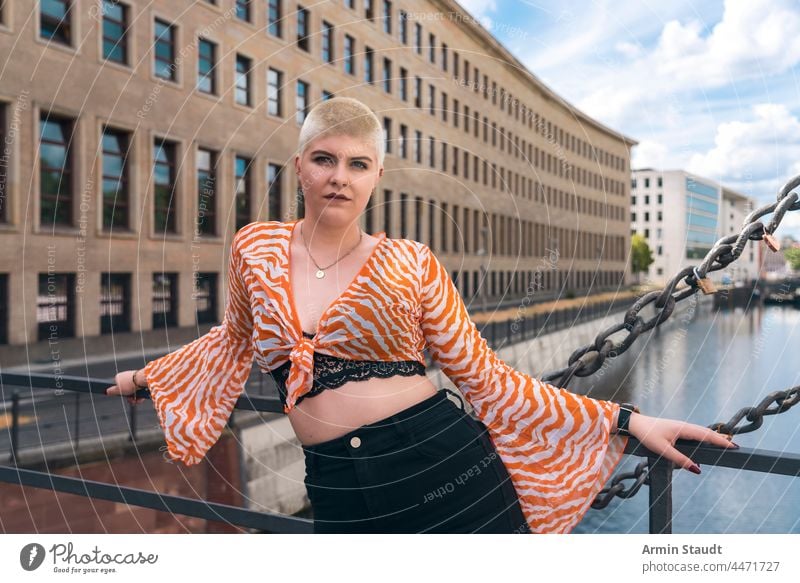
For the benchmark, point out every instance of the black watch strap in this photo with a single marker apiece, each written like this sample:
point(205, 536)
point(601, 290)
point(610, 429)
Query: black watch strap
point(624, 417)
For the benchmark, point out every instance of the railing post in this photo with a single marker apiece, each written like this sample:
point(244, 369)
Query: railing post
point(77, 431)
point(14, 425)
point(660, 478)
point(132, 436)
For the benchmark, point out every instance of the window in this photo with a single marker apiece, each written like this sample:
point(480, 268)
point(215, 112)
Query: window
point(418, 147)
point(327, 42)
point(164, 64)
point(432, 100)
point(418, 92)
point(431, 151)
point(660, 182)
point(387, 132)
point(387, 212)
point(302, 29)
point(418, 37)
point(56, 176)
point(646, 199)
point(443, 229)
point(647, 183)
point(403, 25)
point(660, 198)
point(369, 75)
point(432, 48)
point(4, 296)
point(659, 216)
point(205, 297)
point(301, 101)
point(165, 187)
point(274, 180)
point(274, 84)
point(349, 58)
point(55, 305)
point(369, 13)
point(115, 38)
point(116, 202)
point(326, 95)
point(243, 10)
point(444, 57)
point(165, 300)
point(206, 192)
point(387, 75)
point(243, 65)
point(243, 191)
point(115, 302)
point(55, 18)
point(206, 66)
point(274, 22)
point(4, 170)
point(402, 141)
point(387, 17)
point(403, 218)
point(403, 84)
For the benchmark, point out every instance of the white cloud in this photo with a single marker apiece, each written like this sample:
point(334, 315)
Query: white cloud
point(753, 39)
point(651, 154)
point(479, 10)
point(765, 149)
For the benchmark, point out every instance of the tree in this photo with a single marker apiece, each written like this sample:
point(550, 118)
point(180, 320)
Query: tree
point(792, 255)
point(641, 255)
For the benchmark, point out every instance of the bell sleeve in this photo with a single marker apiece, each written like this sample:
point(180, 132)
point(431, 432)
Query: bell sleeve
point(557, 446)
point(195, 388)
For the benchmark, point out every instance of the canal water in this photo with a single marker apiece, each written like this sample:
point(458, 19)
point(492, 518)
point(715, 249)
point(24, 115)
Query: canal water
point(703, 366)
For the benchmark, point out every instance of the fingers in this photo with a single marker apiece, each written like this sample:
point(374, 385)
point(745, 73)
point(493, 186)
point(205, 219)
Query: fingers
point(698, 433)
point(666, 450)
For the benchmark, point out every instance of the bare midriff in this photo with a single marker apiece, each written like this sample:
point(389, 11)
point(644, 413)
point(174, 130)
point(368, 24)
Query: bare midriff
point(336, 412)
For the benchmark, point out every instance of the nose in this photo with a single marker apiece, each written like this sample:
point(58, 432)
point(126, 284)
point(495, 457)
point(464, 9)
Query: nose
point(340, 174)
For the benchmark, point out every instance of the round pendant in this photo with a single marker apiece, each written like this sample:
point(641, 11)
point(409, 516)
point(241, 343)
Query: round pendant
point(320, 274)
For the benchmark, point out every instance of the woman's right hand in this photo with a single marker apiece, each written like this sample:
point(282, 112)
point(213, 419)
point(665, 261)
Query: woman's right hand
point(124, 386)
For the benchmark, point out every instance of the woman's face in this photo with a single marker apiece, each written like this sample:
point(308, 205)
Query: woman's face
point(342, 165)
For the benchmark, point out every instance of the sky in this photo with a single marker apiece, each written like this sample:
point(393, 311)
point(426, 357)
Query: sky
point(712, 87)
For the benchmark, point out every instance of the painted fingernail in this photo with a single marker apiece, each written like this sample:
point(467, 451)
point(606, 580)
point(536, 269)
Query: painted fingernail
point(694, 468)
point(734, 445)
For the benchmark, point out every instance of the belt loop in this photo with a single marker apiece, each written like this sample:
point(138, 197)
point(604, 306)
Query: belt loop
point(458, 396)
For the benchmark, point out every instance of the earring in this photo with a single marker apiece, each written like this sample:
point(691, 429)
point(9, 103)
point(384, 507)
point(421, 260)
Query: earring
point(300, 193)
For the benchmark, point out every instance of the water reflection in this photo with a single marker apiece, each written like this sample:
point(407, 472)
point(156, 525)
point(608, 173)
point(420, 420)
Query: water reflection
point(703, 368)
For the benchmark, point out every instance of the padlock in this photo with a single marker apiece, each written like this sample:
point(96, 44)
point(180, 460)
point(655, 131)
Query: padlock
point(771, 242)
point(706, 286)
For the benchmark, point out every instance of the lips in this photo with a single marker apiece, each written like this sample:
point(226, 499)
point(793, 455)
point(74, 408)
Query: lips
point(335, 196)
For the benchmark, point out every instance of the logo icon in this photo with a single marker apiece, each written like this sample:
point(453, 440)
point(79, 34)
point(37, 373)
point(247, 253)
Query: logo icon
point(31, 556)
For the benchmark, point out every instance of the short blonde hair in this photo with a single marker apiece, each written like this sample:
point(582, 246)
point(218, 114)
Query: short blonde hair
point(343, 116)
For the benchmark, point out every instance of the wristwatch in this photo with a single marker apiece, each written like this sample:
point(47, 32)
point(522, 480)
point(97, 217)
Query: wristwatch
point(624, 417)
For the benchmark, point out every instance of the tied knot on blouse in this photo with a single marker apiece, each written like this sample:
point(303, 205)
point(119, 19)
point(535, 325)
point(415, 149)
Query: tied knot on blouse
point(301, 371)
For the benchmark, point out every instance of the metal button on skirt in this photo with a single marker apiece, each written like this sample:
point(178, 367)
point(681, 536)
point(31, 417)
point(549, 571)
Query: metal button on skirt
point(429, 468)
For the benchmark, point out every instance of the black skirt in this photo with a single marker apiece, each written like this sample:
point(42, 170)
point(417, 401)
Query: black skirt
point(429, 468)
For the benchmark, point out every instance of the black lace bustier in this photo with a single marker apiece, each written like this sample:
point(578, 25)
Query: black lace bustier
point(331, 372)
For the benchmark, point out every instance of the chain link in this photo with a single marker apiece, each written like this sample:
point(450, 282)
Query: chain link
point(590, 358)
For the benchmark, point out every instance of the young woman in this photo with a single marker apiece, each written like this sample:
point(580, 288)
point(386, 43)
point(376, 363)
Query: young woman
point(341, 319)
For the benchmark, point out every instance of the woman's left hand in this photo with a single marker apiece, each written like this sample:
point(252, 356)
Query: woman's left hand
point(659, 436)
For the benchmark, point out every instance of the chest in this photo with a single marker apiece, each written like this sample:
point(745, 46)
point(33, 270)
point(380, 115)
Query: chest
point(313, 296)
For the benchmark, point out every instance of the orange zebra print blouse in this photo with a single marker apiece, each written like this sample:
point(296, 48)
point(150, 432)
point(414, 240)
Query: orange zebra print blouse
point(558, 446)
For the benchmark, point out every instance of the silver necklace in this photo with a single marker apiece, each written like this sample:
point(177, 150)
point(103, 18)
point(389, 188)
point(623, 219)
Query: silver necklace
point(321, 270)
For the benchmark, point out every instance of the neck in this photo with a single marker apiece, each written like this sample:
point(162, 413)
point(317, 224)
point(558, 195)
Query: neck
point(325, 239)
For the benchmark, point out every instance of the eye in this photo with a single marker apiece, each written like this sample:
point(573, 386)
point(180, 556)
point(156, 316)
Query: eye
point(323, 159)
point(363, 165)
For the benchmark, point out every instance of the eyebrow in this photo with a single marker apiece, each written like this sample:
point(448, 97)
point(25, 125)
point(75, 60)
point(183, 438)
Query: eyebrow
point(353, 158)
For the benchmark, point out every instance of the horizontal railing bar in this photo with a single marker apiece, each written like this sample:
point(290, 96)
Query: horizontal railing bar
point(166, 503)
point(99, 386)
point(755, 460)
